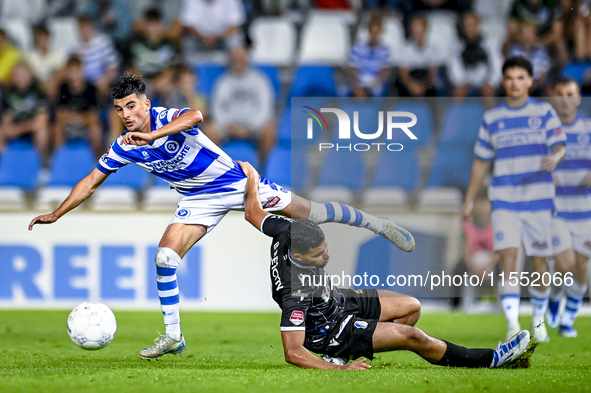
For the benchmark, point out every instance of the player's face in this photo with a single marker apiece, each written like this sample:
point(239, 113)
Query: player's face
point(517, 82)
point(134, 112)
point(566, 99)
point(317, 256)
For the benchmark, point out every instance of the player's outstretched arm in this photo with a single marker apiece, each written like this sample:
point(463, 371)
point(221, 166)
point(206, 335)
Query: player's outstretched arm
point(296, 354)
point(253, 211)
point(479, 170)
point(188, 119)
point(81, 192)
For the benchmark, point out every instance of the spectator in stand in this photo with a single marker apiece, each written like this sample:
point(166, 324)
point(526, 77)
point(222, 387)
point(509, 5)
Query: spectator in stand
point(152, 51)
point(112, 17)
point(475, 67)
point(25, 110)
point(211, 25)
point(529, 46)
point(9, 56)
point(78, 109)
point(170, 10)
point(45, 61)
point(98, 55)
point(575, 16)
point(419, 64)
point(243, 105)
point(410, 8)
point(177, 87)
point(548, 24)
point(369, 64)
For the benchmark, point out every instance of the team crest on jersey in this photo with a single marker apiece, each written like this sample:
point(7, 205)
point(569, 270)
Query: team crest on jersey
point(534, 122)
point(500, 236)
point(271, 202)
point(183, 213)
point(555, 241)
point(583, 139)
point(360, 324)
point(146, 154)
point(162, 115)
point(297, 318)
point(172, 146)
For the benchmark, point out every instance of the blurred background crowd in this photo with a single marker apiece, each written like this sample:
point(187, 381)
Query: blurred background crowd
point(240, 62)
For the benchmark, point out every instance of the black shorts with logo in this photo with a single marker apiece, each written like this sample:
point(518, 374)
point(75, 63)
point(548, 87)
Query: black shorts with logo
point(351, 332)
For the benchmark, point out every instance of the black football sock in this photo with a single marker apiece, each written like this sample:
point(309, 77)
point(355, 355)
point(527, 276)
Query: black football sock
point(456, 356)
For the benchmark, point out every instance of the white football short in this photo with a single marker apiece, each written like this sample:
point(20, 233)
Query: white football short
point(532, 229)
point(209, 209)
point(571, 233)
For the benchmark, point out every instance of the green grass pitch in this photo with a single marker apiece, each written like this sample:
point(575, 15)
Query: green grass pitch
point(242, 352)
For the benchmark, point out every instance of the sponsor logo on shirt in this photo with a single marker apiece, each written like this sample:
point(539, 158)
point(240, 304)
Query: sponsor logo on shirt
point(171, 165)
point(271, 202)
point(297, 318)
point(360, 324)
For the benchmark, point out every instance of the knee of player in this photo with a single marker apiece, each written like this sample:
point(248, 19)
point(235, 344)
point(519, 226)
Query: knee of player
point(168, 258)
point(415, 308)
point(415, 337)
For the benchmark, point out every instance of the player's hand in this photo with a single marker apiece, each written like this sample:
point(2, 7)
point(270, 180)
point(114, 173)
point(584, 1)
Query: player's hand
point(43, 219)
point(467, 210)
point(549, 162)
point(358, 365)
point(137, 138)
point(248, 169)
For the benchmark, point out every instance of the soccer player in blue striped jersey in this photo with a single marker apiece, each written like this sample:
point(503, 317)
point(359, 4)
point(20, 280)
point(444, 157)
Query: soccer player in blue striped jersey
point(571, 237)
point(524, 137)
point(168, 143)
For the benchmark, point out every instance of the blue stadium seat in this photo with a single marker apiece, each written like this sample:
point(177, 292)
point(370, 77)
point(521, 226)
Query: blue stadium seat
point(242, 151)
point(424, 128)
point(130, 175)
point(207, 74)
point(287, 168)
point(20, 166)
point(451, 167)
point(398, 169)
point(71, 163)
point(273, 73)
point(343, 168)
point(313, 81)
point(576, 70)
point(461, 123)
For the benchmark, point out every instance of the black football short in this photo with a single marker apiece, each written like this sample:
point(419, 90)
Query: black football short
point(351, 333)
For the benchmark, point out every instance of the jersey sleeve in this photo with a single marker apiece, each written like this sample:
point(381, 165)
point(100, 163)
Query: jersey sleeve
point(111, 161)
point(483, 147)
point(555, 135)
point(164, 116)
point(294, 311)
point(273, 225)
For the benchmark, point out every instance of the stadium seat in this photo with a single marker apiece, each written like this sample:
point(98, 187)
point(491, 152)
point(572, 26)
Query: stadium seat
point(207, 74)
point(345, 17)
point(487, 9)
point(442, 32)
point(313, 81)
point(242, 151)
point(32, 11)
point(273, 73)
point(12, 198)
point(392, 36)
point(451, 167)
point(19, 31)
point(398, 169)
point(160, 197)
point(287, 168)
point(425, 127)
point(324, 42)
point(20, 166)
point(461, 123)
point(69, 165)
point(377, 198)
point(440, 199)
point(274, 41)
point(576, 71)
point(64, 33)
point(120, 190)
point(341, 175)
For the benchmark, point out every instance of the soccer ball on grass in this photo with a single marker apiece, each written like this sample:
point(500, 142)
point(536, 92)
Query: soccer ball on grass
point(92, 325)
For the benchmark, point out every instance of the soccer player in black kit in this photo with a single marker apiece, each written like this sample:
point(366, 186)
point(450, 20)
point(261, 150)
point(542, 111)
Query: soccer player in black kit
point(344, 324)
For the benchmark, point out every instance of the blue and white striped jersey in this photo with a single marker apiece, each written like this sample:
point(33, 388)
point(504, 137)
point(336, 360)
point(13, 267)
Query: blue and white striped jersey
point(189, 161)
point(517, 139)
point(573, 198)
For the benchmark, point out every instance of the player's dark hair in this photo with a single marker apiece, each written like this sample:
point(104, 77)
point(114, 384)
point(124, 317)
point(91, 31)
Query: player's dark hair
point(127, 85)
point(564, 80)
point(305, 235)
point(518, 62)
